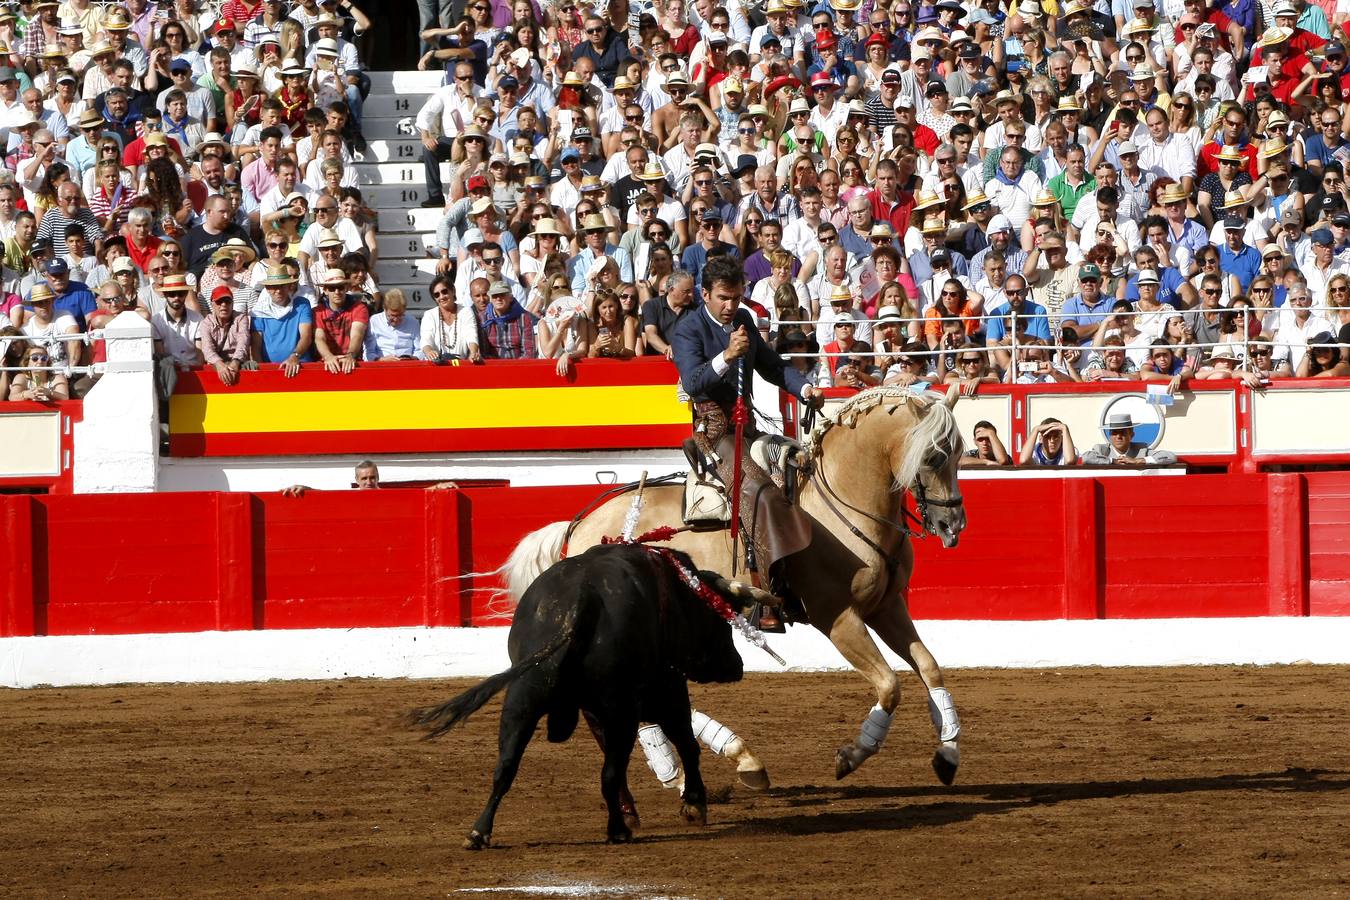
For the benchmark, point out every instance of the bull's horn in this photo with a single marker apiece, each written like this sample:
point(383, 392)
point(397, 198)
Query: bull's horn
point(953, 394)
point(741, 589)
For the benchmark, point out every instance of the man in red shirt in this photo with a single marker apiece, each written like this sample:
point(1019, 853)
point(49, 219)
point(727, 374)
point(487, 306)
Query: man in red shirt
point(922, 137)
point(888, 204)
point(142, 245)
point(1232, 133)
point(339, 325)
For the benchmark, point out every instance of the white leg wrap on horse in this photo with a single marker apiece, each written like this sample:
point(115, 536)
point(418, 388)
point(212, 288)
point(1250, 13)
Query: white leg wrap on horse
point(942, 711)
point(660, 753)
point(713, 734)
point(874, 730)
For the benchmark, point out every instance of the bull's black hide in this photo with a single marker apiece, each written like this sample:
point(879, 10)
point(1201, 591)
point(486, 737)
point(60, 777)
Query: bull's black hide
point(615, 632)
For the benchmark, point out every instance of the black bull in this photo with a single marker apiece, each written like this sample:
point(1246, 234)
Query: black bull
point(614, 632)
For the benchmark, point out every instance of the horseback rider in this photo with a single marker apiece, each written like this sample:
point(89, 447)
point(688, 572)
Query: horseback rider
point(717, 348)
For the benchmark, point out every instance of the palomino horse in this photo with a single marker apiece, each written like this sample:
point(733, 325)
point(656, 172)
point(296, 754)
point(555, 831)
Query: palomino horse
point(880, 444)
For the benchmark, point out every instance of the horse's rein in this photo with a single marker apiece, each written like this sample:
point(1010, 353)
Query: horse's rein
point(830, 496)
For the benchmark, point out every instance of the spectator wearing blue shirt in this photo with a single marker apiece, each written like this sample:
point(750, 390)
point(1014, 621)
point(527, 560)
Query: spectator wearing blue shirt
point(1173, 288)
point(696, 255)
point(1242, 260)
point(1030, 318)
point(283, 330)
point(594, 228)
point(1089, 308)
point(73, 298)
point(1320, 148)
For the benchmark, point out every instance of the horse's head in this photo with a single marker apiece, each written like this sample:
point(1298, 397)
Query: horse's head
point(927, 466)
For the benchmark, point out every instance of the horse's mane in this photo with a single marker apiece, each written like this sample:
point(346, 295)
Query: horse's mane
point(935, 427)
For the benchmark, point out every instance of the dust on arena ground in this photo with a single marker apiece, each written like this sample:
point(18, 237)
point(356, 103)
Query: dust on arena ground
point(1170, 782)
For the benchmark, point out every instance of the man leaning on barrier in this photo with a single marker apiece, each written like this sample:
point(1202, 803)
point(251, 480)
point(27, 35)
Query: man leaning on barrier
point(1123, 450)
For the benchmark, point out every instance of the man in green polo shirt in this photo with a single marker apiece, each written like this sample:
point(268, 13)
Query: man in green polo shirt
point(1073, 184)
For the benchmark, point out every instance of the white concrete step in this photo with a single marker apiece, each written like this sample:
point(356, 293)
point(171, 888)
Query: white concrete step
point(408, 246)
point(404, 82)
point(396, 218)
point(386, 150)
point(389, 127)
point(418, 294)
point(396, 271)
point(396, 174)
point(394, 105)
point(398, 197)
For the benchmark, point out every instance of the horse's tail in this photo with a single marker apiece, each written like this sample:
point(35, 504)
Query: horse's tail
point(535, 553)
point(441, 719)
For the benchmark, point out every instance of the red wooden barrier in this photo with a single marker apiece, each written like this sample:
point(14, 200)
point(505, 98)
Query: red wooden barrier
point(1201, 545)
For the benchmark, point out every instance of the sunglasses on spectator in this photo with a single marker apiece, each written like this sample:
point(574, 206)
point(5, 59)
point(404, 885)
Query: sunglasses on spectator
point(1258, 352)
point(492, 260)
point(277, 245)
point(657, 234)
point(600, 30)
point(464, 78)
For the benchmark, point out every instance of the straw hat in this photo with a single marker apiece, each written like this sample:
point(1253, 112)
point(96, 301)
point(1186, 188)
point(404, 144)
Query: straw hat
point(175, 284)
point(594, 222)
point(277, 276)
point(239, 245)
point(1233, 199)
point(547, 225)
point(975, 198)
point(881, 231)
point(927, 199)
point(1068, 103)
point(840, 293)
point(1045, 198)
point(1173, 193)
point(934, 225)
point(591, 183)
point(1273, 148)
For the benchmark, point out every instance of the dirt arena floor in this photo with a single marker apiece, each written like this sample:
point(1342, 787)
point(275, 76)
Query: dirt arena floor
point(1199, 782)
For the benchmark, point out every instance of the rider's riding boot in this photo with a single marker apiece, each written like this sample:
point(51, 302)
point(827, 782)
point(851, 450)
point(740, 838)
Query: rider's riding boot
point(768, 618)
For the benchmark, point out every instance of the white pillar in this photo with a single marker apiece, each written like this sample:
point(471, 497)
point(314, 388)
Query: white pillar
point(117, 443)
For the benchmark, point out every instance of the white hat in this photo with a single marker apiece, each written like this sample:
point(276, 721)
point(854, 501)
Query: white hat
point(888, 314)
point(799, 106)
point(1127, 147)
point(326, 47)
point(999, 222)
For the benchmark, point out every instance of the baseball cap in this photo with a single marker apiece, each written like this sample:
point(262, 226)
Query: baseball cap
point(711, 215)
point(222, 292)
point(1088, 272)
point(1237, 223)
point(1126, 148)
point(1320, 236)
point(58, 266)
point(890, 76)
point(508, 82)
point(1341, 219)
point(180, 65)
point(123, 264)
point(569, 154)
point(1291, 217)
point(999, 222)
point(969, 51)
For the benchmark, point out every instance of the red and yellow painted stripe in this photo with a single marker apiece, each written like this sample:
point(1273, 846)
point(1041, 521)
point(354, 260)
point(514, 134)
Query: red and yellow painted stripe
point(417, 408)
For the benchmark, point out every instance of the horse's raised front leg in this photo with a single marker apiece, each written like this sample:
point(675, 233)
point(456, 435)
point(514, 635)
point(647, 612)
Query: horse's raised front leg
point(849, 634)
point(894, 626)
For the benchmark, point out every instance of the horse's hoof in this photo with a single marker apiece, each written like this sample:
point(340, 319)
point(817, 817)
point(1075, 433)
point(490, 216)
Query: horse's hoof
point(694, 814)
point(630, 818)
point(754, 779)
point(846, 761)
point(477, 841)
point(620, 837)
point(945, 762)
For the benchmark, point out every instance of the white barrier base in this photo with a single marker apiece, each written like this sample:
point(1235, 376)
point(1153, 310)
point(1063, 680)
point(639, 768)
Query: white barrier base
point(237, 656)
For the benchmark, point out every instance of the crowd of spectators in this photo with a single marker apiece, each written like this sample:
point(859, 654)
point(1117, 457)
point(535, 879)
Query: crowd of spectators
point(189, 161)
point(1012, 192)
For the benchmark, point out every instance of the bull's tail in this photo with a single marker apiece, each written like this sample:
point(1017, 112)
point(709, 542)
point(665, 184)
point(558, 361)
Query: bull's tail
point(535, 553)
point(440, 719)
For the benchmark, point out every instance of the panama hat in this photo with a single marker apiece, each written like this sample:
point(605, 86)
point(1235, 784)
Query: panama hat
point(1173, 193)
point(927, 199)
point(840, 293)
point(1273, 148)
point(175, 284)
point(1230, 153)
point(278, 276)
point(652, 171)
point(1068, 103)
point(881, 231)
point(329, 238)
point(933, 225)
point(1045, 198)
point(547, 225)
point(239, 245)
point(889, 315)
point(1233, 199)
point(594, 222)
